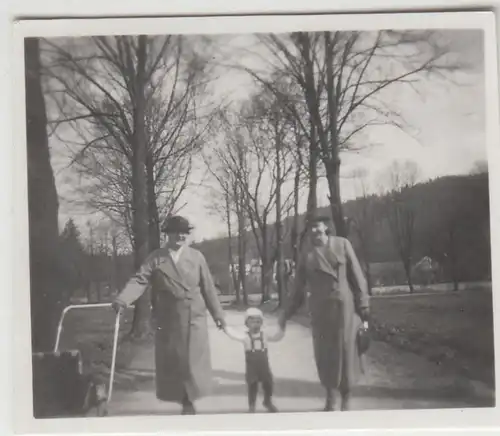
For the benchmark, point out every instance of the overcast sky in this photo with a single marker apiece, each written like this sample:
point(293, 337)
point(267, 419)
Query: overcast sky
point(447, 135)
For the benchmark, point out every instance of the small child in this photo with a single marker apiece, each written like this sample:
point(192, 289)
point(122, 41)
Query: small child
point(258, 370)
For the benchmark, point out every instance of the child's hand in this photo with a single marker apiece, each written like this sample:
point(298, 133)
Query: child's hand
point(221, 324)
point(282, 322)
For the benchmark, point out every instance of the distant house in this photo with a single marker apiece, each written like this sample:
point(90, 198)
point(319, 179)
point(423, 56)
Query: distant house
point(250, 268)
point(426, 271)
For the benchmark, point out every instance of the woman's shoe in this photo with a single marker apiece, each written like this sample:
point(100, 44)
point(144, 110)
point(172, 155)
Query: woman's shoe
point(188, 409)
point(328, 402)
point(346, 403)
point(270, 407)
point(332, 402)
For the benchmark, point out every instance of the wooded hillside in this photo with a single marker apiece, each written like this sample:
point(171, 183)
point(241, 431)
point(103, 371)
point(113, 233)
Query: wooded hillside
point(452, 221)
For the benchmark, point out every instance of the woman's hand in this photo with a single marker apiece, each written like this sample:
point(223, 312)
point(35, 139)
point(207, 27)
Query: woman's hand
point(118, 306)
point(282, 321)
point(365, 314)
point(220, 323)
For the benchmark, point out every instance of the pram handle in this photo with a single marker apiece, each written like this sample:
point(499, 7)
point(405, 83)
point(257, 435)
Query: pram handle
point(115, 335)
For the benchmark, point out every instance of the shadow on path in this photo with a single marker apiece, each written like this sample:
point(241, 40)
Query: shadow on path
point(294, 388)
point(288, 387)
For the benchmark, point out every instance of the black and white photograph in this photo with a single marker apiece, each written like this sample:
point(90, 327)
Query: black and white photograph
point(256, 216)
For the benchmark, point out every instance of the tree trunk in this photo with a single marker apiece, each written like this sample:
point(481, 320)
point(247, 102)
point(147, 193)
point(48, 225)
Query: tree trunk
point(92, 263)
point(234, 277)
point(242, 241)
point(312, 198)
point(264, 272)
point(114, 277)
point(98, 292)
point(453, 257)
point(141, 323)
point(154, 218)
point(456, 282)
point(242, 255)
point(331, 159)
point(43, 205)
point(294, 234)
point(278, 223)
point(333, 177)
point(407, 268)
point(401, 226)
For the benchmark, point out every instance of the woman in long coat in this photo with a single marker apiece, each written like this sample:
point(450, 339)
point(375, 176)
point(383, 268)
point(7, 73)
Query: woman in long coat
point(182, 291)
point(330, 275)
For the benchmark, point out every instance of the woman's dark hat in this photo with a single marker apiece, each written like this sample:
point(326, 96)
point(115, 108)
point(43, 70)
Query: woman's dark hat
point(315, 219)
point(176, 224)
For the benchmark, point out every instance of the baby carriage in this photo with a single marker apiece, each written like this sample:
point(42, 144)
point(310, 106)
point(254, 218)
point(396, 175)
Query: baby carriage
point(60, 388)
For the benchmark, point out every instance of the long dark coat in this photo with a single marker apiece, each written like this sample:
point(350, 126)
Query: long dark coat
point(181, 294)
point(334, 304)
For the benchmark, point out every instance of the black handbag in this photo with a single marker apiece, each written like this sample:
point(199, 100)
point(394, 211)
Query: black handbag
point(363, 339)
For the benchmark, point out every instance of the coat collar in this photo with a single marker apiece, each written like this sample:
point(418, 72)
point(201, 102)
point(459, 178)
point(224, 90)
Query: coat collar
point(176, 271)
point(325, 259)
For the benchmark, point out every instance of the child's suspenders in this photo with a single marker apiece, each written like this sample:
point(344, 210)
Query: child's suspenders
point(252, 342)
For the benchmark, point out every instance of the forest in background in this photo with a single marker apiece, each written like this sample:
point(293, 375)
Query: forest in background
point(451, 226)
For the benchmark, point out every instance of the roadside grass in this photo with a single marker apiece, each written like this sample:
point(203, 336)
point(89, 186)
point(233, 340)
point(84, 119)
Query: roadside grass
point(446, 327)
point(453, 328)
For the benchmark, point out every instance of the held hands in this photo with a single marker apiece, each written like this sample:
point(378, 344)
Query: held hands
point(282, 321)
point(220, 323)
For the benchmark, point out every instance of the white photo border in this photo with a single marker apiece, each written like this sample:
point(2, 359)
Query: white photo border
point(290, 422)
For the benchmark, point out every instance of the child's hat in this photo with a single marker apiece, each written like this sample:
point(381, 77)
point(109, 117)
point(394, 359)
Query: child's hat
point(253, 312)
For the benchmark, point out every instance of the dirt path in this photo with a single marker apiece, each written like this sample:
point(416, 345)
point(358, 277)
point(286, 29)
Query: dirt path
point(394, 380)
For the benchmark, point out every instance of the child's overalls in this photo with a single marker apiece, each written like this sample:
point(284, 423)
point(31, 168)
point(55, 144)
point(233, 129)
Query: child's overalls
point(258, 371)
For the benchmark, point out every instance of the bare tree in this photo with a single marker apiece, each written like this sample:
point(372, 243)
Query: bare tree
point(221, 203)
point(132, 104)
point(269, 166)
point(305, 172)
point(401, 211)
point(343, 78)
point(228, 167)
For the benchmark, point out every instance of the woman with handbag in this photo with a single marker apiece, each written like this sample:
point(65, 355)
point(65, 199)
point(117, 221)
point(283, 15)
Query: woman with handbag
point(330, 275)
